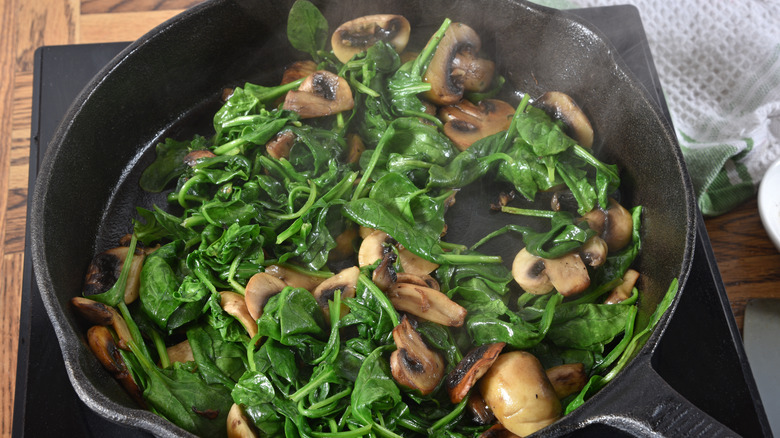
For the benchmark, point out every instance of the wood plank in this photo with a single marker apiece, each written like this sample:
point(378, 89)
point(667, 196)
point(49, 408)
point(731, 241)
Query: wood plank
point(107, 6)
point(43, 22)
point(123, 26)
point(19, 164)
point(11, 284)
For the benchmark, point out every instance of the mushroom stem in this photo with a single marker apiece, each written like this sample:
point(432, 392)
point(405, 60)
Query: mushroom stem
point(102, 344)
point(102, 314)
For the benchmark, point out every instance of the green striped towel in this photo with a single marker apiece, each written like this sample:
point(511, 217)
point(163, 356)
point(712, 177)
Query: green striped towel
point(719, 65)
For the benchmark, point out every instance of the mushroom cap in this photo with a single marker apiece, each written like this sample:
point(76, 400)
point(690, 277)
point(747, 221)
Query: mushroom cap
point(345, 281)
point(615, 224)
point(529, 271)
point(517, 390)
point(567, 379)
point(411, 263)
point(259, 289)
point(447, 82)
point(293, 278)
point(322, 93)
point(279, 146)
point(373, 247)
point(568, 274)
point(234, 305)
point(623, 290)
point(413, 364)
point(359, 34)
point(473, 366)
point(238, 424)
point(181, 352)
point(594, 251)
point(105, 268)
point(561, 106)
point(465, 122)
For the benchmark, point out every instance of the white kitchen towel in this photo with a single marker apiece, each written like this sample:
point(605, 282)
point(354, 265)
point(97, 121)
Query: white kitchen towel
point(719, 66)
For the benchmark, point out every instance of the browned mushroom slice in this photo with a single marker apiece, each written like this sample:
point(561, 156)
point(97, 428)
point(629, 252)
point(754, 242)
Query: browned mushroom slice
point(426, 303)
point(101, 342)
point(477, 72)
point(359, 34)
point(420, 280)
point(623, 291)
point(413, 364)
point(238, 424)
point(568, 274)
point(259, 289)
point(181, 352)
point(321, 94)
point(374, 247)
point(519, 393)
point(356, 148)
point(235, 306)
point(105, 268)
point(473, 366)
point(194, 157)
point(480, 411)
point(298, 70)
point(413, 264)
point(99, 313)
point(344, 245)
point(446, 79)
point(279, 146)
point(594, 251)
point(345, 281)
point(614, 225)
point(561, 106)
point(567, 379)
point(385, 275)
point(294, 278)
point(465, 123)
point(529, 271)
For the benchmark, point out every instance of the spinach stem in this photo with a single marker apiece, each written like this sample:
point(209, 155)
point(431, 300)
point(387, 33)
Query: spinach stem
point(302, 210)
point(313, 385)
point(528, 212)
point(380, 296)
point(361, 431)
point(424, 58)
point(445, 420)
point(470, 258)
point(232, 274)
point(159, 345)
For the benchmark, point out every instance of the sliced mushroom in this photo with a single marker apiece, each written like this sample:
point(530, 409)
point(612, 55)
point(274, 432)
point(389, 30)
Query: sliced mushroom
point(561, 106)
point(413, 364)
point(104, 315)
point(420, 280)
point(364, 232)
point(567, 379)
point(413, 264)
point(359, 34)
point(321, 94)
point(519, 393)
point(447, 76)
point(279, 146)
point(259, 289)
point(238, 424)
point(356, 148)
point(477, 72)
point(374, 247)
point(614, 225)
point(344, 245)
point(105, 268)
point(529, 271)
point(426, 303)
point(181, 352)
point(594, 251)
point(623, 291)
point(480, 411)
point(298, 70)
point(473, 366)
point(567, 274)
point(101, 342)
point(194, 157)
point(345, 281)
point(465, 123)
point(235, 306)
point(385, 275)
point(293, 278)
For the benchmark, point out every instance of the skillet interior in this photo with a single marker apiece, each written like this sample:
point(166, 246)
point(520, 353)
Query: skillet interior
point(167, 83)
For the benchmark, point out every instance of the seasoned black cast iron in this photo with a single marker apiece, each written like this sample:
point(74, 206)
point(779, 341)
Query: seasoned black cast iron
point(168, 83)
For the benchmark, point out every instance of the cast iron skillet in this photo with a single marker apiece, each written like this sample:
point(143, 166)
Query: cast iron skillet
point(168, 83)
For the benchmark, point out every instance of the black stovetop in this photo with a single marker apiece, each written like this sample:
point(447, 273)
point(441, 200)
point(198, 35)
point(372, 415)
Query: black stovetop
point(705, 362)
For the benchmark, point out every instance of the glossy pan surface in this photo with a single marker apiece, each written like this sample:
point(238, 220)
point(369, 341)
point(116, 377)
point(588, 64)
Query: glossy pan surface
point(168, 83)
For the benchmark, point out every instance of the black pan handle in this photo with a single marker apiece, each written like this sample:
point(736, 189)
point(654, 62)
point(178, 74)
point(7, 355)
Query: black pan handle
point(652, 408)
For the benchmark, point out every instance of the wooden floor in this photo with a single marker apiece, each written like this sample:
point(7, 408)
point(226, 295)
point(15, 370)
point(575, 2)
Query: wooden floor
point(749, 264)
point(26, 25)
